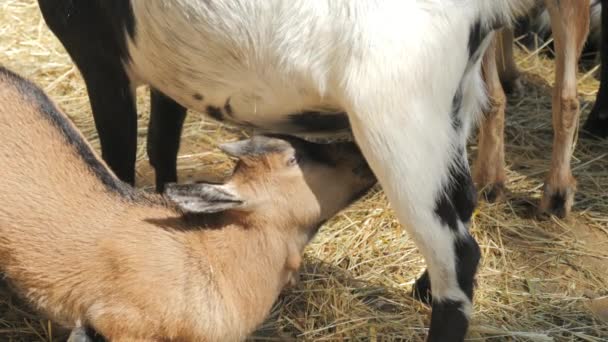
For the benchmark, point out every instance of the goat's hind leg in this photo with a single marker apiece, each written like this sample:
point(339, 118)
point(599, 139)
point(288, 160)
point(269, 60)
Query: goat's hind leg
point(505, 61)
point(425, 175)
point(489, 169)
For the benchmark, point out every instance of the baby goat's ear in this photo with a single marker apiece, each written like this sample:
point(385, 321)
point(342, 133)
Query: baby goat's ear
point(200, 198)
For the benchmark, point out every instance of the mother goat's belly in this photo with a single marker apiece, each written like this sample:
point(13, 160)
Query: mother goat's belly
point(269, 104)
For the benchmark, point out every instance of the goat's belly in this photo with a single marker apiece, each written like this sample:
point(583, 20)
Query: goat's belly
point(263, 104)
point(191, 52)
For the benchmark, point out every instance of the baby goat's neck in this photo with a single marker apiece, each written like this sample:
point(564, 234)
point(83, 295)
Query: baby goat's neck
point(248, 265)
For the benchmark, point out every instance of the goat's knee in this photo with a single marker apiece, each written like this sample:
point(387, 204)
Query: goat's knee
point(568, 120)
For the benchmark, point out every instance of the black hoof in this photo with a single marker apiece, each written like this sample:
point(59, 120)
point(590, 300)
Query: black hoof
point(557, 202)
point(494, 192)
point(512, 88)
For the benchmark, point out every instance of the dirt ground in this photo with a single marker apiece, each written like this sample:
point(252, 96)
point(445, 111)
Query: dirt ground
point(538, 276)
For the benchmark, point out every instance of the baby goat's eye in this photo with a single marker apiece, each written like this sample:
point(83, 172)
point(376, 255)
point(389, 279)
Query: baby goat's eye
point(293, 160)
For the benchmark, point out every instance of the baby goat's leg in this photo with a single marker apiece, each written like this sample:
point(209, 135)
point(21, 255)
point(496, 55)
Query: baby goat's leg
point(420, 161)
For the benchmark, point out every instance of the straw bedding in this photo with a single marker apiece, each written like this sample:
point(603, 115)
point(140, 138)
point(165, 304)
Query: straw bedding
point(540, 279)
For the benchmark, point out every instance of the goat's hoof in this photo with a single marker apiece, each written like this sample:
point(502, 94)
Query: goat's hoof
point(494, 192)
point(421, 290)
point(79, 334)
point(556, 201)
point(513, 87)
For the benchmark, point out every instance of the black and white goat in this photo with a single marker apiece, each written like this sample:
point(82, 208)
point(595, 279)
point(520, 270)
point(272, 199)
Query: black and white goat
point(404, 75)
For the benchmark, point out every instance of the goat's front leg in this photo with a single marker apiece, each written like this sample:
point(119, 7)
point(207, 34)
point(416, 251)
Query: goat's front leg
point(570, 25)
point(419, 160)
point(489, 170)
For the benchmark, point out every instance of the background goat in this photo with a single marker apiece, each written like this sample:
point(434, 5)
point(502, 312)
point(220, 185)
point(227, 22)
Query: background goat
point(570, 24)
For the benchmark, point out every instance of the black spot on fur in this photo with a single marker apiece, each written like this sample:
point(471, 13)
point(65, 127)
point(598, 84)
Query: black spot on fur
point(446, 212)
point(467, 259)
point(215, 112)
point(459, 199)
point(197, 97)
point(35, 95)
point(319, 122)
point(476, 36)
point(448, 322)
point(463, 194)
point(228, 108)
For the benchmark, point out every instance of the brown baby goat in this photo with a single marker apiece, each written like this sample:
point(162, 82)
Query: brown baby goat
point(207, 266)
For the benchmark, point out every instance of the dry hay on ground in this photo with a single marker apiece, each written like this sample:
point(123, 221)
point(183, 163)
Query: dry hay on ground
point(536, 276)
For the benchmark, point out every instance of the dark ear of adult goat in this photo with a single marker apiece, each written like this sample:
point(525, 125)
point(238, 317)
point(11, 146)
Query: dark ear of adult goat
point(570, 24)
point(404, 75)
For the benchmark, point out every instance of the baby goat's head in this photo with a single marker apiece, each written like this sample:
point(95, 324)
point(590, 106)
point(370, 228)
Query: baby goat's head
point(282, 180)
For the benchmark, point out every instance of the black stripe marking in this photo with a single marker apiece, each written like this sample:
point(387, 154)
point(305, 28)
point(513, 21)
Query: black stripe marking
point(309, 121)
point(458, 201)
point(476, 36)
point(468, 255)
